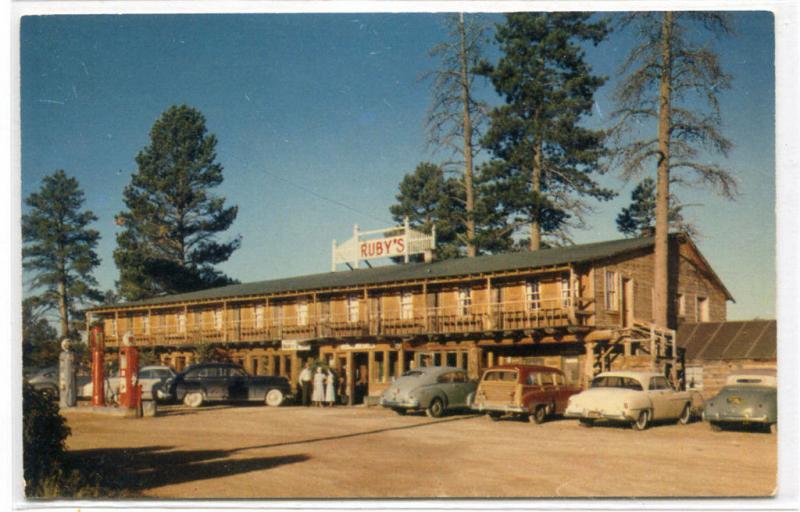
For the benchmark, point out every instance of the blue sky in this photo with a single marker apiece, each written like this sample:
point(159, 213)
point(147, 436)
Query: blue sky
point(331, 105)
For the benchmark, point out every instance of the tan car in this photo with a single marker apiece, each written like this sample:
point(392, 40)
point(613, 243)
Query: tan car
point(528, 391)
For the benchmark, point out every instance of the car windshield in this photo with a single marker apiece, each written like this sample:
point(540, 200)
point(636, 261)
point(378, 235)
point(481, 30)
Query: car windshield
point(616, 382)
point(509, 376)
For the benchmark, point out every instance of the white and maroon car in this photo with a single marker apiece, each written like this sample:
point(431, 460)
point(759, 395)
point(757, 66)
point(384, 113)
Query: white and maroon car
point(637, 398)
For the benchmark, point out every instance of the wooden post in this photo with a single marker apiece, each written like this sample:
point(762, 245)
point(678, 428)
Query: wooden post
point(282, 366)
point(349, 377)
point(225, 320)
point(588, 364)
point(490, 359)
point(401, 361)
point(386, 367)
point(489, 308)
point(425, 308)
point(185, 324)
point(295, 370)
point(370, 368)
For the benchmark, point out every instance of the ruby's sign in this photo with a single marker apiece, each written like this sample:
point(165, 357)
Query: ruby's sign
point(396, 241)
point(381, 247)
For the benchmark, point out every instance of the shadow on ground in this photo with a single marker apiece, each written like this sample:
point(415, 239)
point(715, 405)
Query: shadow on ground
point(137, 469)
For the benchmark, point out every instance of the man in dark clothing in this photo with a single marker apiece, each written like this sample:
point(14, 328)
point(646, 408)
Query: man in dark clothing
point(305, 384)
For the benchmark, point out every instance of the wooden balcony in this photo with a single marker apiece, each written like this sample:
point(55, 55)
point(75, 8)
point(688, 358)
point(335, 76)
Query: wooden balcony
point(448, 321)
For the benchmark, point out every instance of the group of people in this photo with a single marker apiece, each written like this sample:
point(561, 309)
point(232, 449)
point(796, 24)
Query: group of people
point(318, 387)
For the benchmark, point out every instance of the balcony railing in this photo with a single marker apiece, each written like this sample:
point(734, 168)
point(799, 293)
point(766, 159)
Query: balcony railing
point(447, 320)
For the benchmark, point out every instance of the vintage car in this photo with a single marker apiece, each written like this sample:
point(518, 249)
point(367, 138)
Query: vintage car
point(637, 398)
point(748, 398)
point(528, 391)
point(210, 382)
point(153, 380)
point(434, 389)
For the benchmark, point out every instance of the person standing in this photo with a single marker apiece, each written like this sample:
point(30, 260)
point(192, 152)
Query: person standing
point(305, 384)
point(319, 388)
point(330, 388)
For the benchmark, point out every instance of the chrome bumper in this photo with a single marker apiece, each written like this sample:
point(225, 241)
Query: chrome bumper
point(517, 409)
point(401, 404)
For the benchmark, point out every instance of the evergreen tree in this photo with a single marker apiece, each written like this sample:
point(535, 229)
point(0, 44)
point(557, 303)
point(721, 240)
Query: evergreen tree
point(638, 219)
point(671, 85)
point(547, 158)
point(59, 248)
point(429, 199)
point(40, 345)
point(168, 243)
point(456, 115)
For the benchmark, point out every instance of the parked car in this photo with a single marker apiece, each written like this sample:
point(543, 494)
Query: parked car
point(153, 380)
point(212, 382)
point(748, 398)
point(46, 380)
point(637, 398)
point(528, 391)
point(434, 389)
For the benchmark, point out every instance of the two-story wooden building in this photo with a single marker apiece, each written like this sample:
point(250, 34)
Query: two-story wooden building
point(582, 308)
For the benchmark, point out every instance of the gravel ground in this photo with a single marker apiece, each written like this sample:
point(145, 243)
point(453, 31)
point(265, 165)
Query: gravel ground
point(261, 452)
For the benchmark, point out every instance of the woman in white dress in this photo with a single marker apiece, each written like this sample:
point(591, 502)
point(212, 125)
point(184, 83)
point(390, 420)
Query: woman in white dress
point(330, 389)
point(319, 388)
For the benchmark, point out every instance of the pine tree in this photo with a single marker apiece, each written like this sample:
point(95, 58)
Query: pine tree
point(638, 218)
point(429, 199)
point(168, 243)
point(59, 248)
point(547, 158)
point(40, 345)
point(669, 76)
point(456, 115)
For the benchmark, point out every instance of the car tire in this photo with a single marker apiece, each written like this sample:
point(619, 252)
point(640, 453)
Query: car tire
point(539, 415)
point(686, 415)
point(586, 422)
point(400, 411)
point(714, 426)
point(193, 399)
point(493, 416)
point(274, 398)
point(643, 421)
point(435, 408)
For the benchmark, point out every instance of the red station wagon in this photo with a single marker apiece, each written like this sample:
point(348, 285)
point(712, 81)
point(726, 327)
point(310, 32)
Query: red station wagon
point(535, 392)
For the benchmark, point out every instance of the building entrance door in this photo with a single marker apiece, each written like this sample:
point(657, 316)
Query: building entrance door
point(360, 377)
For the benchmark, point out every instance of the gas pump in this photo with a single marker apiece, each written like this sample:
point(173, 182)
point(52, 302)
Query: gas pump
point(130, 392)
point(97, 345)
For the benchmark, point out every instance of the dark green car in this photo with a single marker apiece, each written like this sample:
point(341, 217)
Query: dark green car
point(748, 398)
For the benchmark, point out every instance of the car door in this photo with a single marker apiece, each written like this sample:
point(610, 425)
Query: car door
point(214, 381)
point(444, 383)
point(658, 392)
point(460, 390)
point(237, 380)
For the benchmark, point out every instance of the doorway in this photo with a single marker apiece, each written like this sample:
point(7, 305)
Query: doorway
point(360, 376)
point(627, 302)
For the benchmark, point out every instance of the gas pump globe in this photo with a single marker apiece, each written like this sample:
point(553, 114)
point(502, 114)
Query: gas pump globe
point(129, 389)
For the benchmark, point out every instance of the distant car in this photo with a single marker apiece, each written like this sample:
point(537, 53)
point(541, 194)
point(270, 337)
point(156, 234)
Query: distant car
point(154, 381)
point(528, 391)
point(637, 398)
point(434, 389)
point(213, 382)
point(46, 380)
point(748, 398)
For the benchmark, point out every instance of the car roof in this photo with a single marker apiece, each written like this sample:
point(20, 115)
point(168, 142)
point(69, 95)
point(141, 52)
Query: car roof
point(436, 369)
point(525, 367)
point(631, 374)
point(155, 367)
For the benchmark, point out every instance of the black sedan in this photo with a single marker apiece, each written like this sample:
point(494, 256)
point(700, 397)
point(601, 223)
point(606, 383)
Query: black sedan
point(212, 382)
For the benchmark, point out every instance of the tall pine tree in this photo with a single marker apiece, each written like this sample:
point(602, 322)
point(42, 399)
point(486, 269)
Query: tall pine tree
point(168, 244)
point(59, 248)
point(429, 199)
point(672, 79)
point(638, 218)
point(547, 158)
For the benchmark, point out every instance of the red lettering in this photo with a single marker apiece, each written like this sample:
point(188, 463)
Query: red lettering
point(363, 250)
point(379, 248)
point(388, 244)
point(401, 245)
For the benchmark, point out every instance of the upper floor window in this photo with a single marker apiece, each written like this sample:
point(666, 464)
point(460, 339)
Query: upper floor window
point(114, 326)
point(702, 309)
point(259, 316)
point(218, 319)
point(407, 305)
point(464, 300)
point(352, 308)
point(612, 295)
point(566, 292)
point(181, 322)
point(533, 295)
point(302, 313)
point(146, 324)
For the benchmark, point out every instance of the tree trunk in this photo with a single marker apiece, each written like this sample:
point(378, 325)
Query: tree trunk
point(465, 97)
point(536, 188)
point(63, 311)
point(661, 278)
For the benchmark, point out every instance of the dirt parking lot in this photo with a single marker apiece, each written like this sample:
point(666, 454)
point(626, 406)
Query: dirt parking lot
point(261, 452)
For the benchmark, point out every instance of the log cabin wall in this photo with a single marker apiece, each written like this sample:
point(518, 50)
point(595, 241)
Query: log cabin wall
point(708, 376)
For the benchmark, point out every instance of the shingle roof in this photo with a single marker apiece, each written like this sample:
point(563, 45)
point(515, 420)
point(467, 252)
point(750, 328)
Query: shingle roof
point(753, 339)
point(408, 272)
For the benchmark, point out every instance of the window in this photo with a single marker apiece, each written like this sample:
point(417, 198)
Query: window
point(352, 308)
point(612, 297)
point(445, 378)
point(566, 293)
point(464, 300)
point(694, 377)
point(702, 309)
point(459, 377)
point(181, 322)
point(218, 319)
point(506, 376)
point(407, 306)
point(534, 379)
point(659, 383)
point(681, 304)
point(260, 316)
point(114, 326)
point(533, 294)
point(146, 324)
point(558, 379)
point(146, 374)
point(302, 313)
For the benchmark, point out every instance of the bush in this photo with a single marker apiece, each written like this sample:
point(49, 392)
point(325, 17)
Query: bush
point(44, 432)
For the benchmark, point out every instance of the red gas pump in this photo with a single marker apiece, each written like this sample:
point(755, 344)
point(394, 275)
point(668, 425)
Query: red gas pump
point(130, 392)
point(97, 344)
